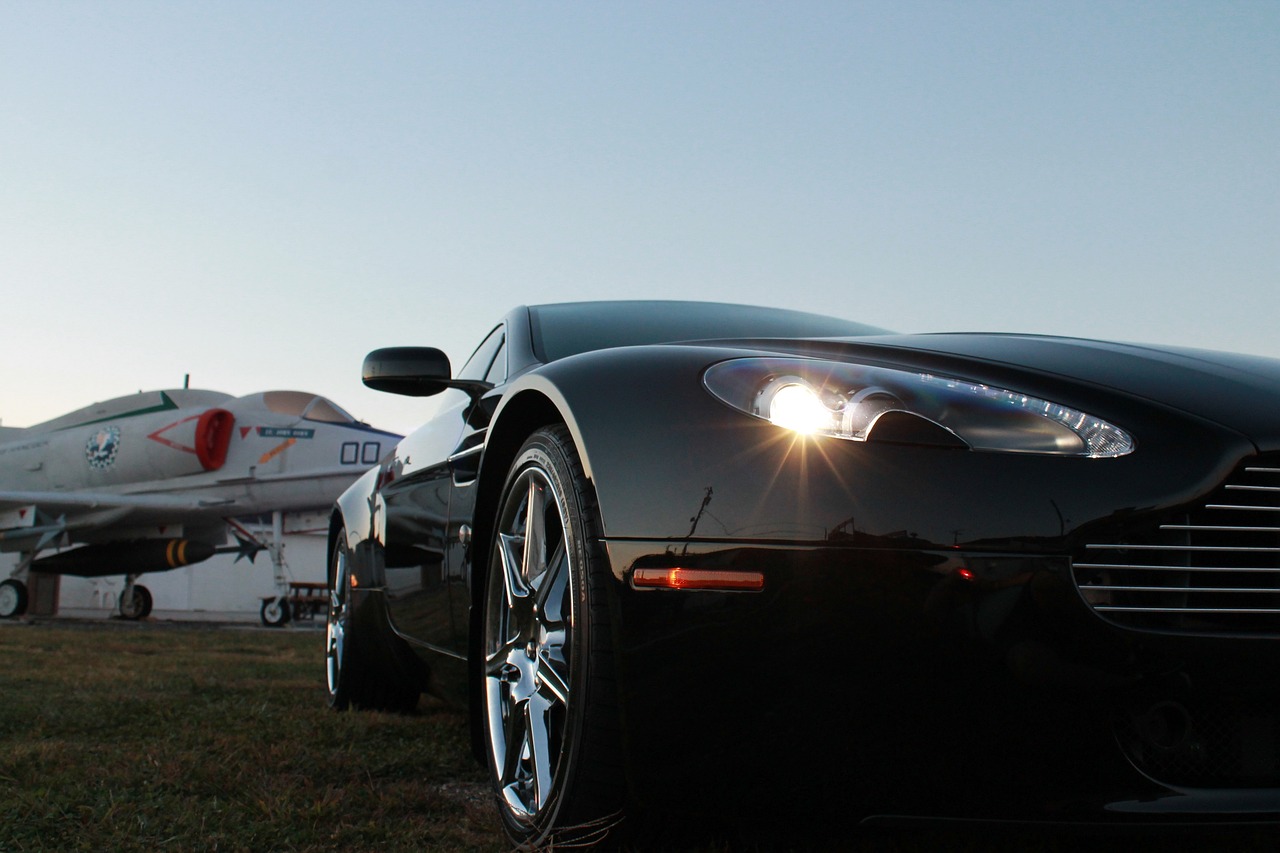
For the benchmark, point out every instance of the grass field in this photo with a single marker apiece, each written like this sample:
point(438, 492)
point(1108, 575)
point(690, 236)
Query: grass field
point(149, 737)
point(163, 736)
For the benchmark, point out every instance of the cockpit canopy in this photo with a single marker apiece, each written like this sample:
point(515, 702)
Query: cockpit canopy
point(308, 407)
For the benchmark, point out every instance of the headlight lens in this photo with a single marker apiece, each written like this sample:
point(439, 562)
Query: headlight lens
point(847, 401)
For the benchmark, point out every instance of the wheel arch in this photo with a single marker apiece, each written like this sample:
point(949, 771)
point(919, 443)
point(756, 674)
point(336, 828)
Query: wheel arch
point(351, 515)
point(388, 675)
point(520, 415)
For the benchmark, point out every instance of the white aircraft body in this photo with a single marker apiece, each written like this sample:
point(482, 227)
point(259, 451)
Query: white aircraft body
point(156, 480)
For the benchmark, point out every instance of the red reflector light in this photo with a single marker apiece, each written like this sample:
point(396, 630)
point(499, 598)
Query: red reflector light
point(965, 574)
point(698, 579)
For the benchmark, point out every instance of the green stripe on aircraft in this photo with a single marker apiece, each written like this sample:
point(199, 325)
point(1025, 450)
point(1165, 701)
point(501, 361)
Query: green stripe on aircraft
point(166, 404)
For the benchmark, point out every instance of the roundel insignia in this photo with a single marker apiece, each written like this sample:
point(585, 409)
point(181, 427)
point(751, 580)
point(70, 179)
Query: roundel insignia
point(101, 448)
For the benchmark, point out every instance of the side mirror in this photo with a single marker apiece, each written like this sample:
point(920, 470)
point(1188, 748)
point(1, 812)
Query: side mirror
point(414, 372)
point(410, 371)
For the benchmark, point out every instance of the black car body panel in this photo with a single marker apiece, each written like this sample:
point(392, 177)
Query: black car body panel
point(1228, 388)
point(935, 636)
point(773, 487)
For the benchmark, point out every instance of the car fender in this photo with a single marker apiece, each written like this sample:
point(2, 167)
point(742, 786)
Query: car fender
point(670, 462)
point(353, 514)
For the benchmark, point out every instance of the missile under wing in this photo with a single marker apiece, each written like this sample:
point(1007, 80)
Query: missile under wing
point(156, 480)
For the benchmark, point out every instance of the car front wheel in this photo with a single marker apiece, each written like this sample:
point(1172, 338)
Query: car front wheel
point(550, 706)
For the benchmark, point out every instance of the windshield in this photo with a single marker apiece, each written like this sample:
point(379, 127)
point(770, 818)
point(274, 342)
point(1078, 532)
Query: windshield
point(573, 327)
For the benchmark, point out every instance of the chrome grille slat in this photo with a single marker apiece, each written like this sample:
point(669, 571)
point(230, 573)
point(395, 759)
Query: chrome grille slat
point(1211, 568)
point(1192, 569)
point(1197, 590)
point(1111, 608)
point(1243, 548)
point(1221, 527)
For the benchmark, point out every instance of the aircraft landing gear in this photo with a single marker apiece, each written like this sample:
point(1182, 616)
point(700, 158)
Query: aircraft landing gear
point(135, 602)
point(275, 611)
point(13, 598)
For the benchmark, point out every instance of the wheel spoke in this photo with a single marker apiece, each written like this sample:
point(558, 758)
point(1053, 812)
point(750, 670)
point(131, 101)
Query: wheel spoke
point(539, 738)
point(513, 797)
point(535, 533)
point(551, 594)
point(512, 579)
point(552, 677)
point(336, 639)
point(337, 634)
point(515, 742)
point(495, 663)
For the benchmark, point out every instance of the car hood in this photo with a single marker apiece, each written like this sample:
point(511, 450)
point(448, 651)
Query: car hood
point(1241, 392)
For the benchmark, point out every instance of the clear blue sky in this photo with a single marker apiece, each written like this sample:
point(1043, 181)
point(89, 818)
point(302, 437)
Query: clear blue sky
point(258, 193)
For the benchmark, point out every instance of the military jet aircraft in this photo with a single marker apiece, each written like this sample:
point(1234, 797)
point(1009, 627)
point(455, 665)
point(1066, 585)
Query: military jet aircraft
point(156, 480)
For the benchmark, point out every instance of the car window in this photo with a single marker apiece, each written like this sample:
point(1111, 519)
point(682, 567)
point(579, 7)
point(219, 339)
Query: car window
point(498, 370)
point(481, 361)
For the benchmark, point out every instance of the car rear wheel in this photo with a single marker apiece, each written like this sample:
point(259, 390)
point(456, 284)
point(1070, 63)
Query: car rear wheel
point(337, 655)
point(354, 677)
point(550, 706)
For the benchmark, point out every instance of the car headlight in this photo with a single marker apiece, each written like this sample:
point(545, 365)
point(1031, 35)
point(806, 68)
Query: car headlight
point(863, 403)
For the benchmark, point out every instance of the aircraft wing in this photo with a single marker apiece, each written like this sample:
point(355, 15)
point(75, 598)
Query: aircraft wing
point(59, 502)
point(34, 520)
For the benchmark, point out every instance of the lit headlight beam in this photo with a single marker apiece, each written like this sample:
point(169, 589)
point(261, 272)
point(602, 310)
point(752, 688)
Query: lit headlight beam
point(843, 400)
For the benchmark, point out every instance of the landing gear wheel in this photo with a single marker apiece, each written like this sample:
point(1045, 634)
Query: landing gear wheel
point(550, 706)
point(354, 680)
point(13, 598)
point(135, 602)
point(275, 612)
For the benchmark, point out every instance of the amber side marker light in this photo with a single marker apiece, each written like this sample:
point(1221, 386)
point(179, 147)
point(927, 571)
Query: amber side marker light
point(698, 579)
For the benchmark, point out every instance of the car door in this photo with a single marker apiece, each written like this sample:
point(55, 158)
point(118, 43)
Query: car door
point(464, 473)
point(418, 539)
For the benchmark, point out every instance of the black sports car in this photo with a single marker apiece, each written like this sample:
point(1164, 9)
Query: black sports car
point(686, 558)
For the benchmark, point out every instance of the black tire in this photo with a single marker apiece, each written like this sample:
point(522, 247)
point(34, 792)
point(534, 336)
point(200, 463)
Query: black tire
point(275, 612)
point(354, 678)
point(549, 696)
point(135, 602)
point(13, 598)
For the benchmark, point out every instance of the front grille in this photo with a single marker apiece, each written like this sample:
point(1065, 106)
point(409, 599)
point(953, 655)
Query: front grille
point(1212, 570)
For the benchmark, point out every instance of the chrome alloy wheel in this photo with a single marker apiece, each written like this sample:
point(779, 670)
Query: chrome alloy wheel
point(529, 628)
point(336, 623)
